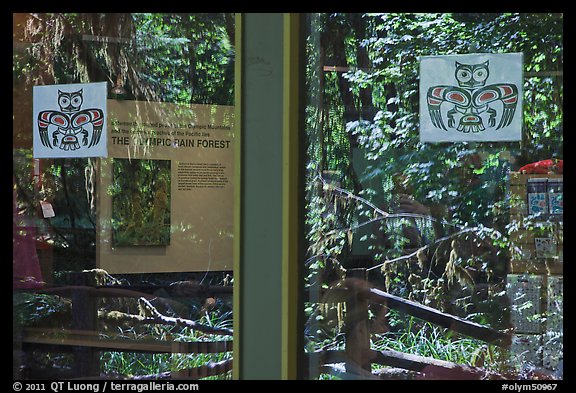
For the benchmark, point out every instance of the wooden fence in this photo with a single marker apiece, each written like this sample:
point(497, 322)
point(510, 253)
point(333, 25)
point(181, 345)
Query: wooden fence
point(84, 341)
point(358, 355)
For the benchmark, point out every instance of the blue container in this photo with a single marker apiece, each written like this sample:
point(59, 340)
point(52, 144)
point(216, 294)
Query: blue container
point(537, 196)
point(555, 188)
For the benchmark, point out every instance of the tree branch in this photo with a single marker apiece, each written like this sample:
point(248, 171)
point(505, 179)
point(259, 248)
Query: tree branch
point(154, 317)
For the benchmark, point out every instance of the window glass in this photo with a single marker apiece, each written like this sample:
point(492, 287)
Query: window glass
point(122, 257)
point(434, 196)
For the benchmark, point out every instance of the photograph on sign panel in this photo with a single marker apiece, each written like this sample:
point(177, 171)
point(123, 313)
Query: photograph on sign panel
point(141, 202)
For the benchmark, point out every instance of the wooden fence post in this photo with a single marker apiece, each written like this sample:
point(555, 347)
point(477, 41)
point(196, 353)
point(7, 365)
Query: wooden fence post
point(84, 317)
point(356, 327)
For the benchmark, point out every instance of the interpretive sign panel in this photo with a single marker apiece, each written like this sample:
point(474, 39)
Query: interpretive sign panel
point(166, 195)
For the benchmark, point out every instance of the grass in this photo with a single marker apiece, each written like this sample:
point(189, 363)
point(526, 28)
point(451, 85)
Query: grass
point(133, 363)
point(413, 336)
point(425, 339)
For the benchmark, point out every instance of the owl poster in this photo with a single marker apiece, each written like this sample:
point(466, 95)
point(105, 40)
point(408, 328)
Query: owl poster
point(70, 120)
point(475, 97)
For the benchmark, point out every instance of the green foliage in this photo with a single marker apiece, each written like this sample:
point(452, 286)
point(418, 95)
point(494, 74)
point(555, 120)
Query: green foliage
point(425, 339)
point(397, 42)
point(134, 363)
point(462, 185)
point(31, 309)
point(186, 58)
point(140, 202)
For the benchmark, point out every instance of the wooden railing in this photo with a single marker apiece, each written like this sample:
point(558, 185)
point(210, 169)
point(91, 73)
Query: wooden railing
point(358, 356)
point(86, 343)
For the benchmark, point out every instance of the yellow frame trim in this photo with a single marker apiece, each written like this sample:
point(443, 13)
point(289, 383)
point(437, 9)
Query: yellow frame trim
point(290, 198)
point(237, 194)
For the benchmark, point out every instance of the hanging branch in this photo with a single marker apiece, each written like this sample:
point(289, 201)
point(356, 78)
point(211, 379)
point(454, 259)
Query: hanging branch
point(153, 316)
point(353, 196)
point(421, 249)
point(383, 215)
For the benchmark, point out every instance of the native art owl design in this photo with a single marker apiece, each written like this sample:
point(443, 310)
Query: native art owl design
point(472, 99)
point(70, 123)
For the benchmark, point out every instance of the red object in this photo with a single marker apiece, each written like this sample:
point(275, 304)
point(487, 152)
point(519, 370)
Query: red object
point(26, 272)
point(544, 167)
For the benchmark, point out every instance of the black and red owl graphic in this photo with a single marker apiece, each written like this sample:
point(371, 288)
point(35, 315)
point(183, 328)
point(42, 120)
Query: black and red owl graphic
point(472, 101)
point(70, 127)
